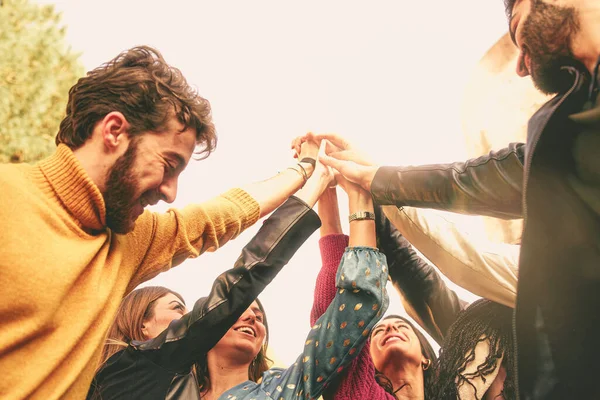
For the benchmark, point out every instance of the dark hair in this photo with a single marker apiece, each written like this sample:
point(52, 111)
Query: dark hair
point(483, 320)
point(146, 90)
point(508, 7)
point(427, 352)
point(258, 366)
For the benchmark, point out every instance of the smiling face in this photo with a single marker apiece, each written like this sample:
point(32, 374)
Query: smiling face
point(544, 34)
point(165, 310)
point(245, 338)
point(146, 173)
point(394, 339)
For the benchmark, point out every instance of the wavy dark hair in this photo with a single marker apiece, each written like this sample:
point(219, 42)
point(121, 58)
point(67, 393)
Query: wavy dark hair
point(146, 90)
point(258, 366)
point(484, 320)
point(427, 352)
point(508, 8)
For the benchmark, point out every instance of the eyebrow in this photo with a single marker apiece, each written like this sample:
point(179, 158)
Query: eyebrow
point(376, 328)
point(178, 158)
point(177, 302)
point(257, 310)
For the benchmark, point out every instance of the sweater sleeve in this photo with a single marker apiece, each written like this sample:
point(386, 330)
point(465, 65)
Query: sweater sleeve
point(332, 248)
point(162, 240)
point(342, 330)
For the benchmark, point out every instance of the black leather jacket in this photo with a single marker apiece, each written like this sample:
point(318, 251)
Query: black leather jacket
point(161, 368)
point(425, 295)
point(553, 182)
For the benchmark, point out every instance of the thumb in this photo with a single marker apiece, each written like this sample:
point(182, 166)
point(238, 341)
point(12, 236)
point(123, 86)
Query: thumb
point(331, 162)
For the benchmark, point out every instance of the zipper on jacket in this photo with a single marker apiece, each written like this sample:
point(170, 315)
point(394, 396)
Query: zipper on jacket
point(527, 167)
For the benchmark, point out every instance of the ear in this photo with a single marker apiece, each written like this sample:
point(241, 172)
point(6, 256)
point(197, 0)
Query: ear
point(426, 363)
point(145, 330)
point(114, 130)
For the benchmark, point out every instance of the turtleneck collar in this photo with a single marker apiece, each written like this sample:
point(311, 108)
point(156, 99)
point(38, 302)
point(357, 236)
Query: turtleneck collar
point(79, 195)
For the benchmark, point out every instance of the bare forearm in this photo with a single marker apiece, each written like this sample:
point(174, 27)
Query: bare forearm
point(362, 232)
point(313, 189)
point(329, 213)
point(271, 193)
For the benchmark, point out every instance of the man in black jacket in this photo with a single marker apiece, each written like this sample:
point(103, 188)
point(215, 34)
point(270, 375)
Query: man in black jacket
point(552, 182)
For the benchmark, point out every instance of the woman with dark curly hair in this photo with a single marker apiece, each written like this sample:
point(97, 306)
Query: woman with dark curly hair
point(477, 357)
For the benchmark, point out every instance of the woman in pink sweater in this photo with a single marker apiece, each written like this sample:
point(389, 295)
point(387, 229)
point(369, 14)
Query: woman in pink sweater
point(395, 363)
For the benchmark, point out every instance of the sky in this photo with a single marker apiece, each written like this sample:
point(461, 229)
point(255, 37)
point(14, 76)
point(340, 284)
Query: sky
point(388, 75)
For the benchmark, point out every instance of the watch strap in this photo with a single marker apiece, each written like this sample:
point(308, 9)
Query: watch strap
point(361, 215)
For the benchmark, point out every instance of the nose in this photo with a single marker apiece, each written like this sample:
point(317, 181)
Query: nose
point(522, 70)
point(391, 327)
point(249, 316)
point(168, 190)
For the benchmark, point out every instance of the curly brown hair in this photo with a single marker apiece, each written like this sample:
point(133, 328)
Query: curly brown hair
point(146, 90)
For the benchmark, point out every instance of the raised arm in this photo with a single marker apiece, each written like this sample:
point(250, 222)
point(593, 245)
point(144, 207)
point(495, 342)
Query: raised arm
point(162, 240)
point(489, 185)
point(486, 269)
point(342, 330)
point(188, 339)
point(358, 380)
point(426, 297)
point(332, 244)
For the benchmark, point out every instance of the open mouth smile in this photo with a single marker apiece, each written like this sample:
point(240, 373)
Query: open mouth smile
point(394, 338)
point(247, 330)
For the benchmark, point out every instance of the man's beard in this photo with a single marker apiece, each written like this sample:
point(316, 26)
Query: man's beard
point(547, 35)
point(119, 196)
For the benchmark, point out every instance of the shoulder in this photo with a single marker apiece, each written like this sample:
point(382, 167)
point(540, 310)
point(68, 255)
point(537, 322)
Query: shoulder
point(15, 174)
point(20, 182)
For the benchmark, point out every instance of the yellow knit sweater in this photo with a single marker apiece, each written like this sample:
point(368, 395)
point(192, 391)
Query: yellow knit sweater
point(63, 273)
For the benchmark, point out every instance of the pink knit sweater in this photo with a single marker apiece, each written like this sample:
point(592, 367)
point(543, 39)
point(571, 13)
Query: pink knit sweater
point(358, 382)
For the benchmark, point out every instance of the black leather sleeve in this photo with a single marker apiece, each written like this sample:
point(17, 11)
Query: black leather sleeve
point(191, 337)
point(418, 282)
point(490, 185)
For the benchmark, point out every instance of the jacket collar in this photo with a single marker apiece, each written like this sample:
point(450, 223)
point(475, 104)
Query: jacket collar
point(75, 189)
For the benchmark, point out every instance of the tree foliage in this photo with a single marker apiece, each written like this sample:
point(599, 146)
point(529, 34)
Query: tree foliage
point(37, 69)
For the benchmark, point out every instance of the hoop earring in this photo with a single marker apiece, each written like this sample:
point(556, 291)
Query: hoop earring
point(426, 364)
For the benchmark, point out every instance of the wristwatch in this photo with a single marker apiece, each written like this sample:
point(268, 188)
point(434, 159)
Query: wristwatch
point(360, 215)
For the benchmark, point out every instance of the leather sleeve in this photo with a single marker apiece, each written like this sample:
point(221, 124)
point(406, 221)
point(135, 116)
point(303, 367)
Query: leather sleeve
point(484, 268)
point(425, 295)
point(490, 185)
point(191, 337)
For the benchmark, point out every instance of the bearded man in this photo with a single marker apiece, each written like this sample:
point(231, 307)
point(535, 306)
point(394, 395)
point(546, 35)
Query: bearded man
point(552, 182)
point(75, 237)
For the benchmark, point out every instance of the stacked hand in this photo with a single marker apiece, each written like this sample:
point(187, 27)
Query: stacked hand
point(316, 150)
point(343, 157)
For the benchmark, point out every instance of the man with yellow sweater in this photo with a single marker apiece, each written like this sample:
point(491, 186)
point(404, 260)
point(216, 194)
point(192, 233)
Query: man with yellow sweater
point(75, 237)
